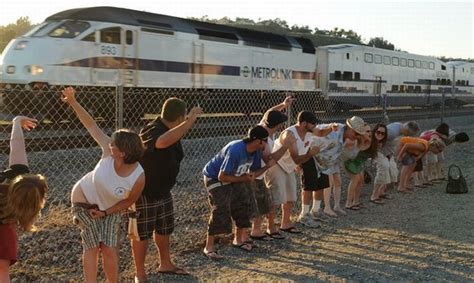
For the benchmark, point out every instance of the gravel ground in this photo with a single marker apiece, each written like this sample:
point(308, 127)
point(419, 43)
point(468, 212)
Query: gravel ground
point(426, 236)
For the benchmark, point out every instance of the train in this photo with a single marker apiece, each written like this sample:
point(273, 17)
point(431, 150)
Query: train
point(109, 46)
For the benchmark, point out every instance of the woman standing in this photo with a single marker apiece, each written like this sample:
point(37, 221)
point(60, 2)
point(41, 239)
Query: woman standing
point(102, 194)
point(382, 176)
point(22, 196)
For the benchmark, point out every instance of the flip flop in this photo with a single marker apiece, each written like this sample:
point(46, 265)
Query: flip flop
point(291, 230)
point(212, 255)
point(421, 186)
point(244, 246)
point(377, 201)
point(177, 270)
point(275, 235)
point(354, 207)
point(264, 238)
point(386, 196)
point(405, 191)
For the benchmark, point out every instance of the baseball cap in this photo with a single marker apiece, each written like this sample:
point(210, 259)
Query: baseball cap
point(443, 129)
point(461, 137)
point(274, 118)
point(257, 133)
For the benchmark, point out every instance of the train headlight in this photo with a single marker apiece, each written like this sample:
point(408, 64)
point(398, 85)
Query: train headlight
point(21, 45)
point(11, 70)
point(35, 70)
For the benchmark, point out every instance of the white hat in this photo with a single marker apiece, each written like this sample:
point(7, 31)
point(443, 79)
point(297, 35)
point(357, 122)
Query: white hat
point(356, 123)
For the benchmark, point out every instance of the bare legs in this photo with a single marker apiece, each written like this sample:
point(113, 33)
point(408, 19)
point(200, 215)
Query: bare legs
point(90, 260)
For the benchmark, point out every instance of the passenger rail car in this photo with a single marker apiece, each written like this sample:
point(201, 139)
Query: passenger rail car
point(108, 46)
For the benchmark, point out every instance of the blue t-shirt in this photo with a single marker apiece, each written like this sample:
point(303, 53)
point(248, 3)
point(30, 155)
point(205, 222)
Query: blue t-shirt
point(233, 160)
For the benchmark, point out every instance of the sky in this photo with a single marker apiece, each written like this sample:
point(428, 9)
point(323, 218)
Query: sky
point(435, 28)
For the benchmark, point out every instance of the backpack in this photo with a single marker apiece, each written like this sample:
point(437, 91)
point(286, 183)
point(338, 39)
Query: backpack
point(456, 185)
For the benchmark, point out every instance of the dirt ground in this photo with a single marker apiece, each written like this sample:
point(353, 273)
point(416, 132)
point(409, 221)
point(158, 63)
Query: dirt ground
point(425, 236)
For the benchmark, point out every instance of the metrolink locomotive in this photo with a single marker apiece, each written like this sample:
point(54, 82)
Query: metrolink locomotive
point(108, 46)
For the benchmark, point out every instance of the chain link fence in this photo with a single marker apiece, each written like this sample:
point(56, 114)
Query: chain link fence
point(61, 149)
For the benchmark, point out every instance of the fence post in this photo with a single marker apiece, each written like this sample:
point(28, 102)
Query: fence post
point(384, 109)
point(119, 107)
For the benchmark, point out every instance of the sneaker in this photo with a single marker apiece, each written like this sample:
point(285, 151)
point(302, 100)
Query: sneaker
point(308, 221)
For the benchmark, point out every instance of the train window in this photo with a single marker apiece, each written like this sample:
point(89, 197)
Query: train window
point(458, 82)
point(110, 35)
point(411, 63)
point(42, 29)
point(443, 67)
point(410, 88)
point(403, 62)
point(356, 76)
point(347, 76)
point(368, 58)
point(90, 37)
point(69, 29)
point(377, 59)
point(463, 82)
point(220, 36)
point(472, 70)
point(432, 65)
point(263, 39)
point(386, 60)
point(160, 31)
point(337, 75)
point(467, 83)
point(395, 61)
point(348, 56)
point(417, 63)
point(438, 81)
point(306, 44)
point(443, 82)
point(417, 89)
point(424, 65)
point(402, 88)
point(154, 24)
point(394, 88)
point(448, 82)
point(129, 37)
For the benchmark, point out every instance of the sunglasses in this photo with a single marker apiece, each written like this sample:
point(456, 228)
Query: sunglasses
point(380, 133)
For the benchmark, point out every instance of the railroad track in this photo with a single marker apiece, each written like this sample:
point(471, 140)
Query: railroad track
point(207, 127)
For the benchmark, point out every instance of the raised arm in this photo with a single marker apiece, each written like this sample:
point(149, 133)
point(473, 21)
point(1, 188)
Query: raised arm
point(279, 107)
point(69, 97)
point(175, 134)
point(17, 139)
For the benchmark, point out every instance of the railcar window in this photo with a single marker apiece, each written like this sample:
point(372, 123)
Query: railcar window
point(129, 37)
point(403, 62)
point(348, 56)
point(438, 81)
point(395, 88)
point(411, 63)
point(395, 61)
point(69, 29)
point(443, 81)
point(458, 82)
point(347, 76)
point(161, 31)
point(443, 67)
point(377, 59)
point(368, 58)
point(418, 89)
point(432, 65)
point(42, 29)
point(424, 65)
point(402, 88)
point(306, 44)
point(220, 36)
point(386, 60)
point(467, 83)
point(356, 76)
point(410, 88)
point(448, 82)
point(337, 75)
point(155, 24)
point(90, 37)
point(418, 63)
point(110, 35)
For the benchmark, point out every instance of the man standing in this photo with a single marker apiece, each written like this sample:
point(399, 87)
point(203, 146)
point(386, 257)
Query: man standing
point(225, 178)
point(155, 207)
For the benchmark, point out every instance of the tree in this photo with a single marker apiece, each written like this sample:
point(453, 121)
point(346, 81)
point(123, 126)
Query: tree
point(381, 43)
point(11, 31)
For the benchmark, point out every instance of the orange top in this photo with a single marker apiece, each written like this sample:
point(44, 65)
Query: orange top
point(423, 142)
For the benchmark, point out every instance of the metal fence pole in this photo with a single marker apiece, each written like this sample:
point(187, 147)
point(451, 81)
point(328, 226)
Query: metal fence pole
point(384, 109)
point(119, 107)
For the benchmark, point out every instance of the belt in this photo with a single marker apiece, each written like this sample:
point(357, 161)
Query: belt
point(211, 183)
point(85, 205)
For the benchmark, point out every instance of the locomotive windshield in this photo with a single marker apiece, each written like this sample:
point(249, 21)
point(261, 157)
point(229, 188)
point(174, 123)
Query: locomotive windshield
point(42, 29)
point(69, 29)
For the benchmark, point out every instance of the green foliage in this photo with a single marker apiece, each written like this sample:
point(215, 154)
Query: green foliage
point(11, 31)
point(379, 42)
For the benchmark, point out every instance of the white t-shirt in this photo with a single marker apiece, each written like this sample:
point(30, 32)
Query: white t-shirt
point(286, 161)
point(104, 187)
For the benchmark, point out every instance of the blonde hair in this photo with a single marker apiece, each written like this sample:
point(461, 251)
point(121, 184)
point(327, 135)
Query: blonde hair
point(436, 143)
point(25, 198)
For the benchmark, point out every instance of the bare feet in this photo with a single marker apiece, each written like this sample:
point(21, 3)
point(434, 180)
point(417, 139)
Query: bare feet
point(340, 210)
point(330, 212)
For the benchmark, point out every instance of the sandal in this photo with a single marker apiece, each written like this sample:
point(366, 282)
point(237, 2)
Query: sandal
point(377, 201)
point(212, 255)
point(291, 230)
point(354, 207)
point(275, 235)
point(243, 246)
point(176, 271)
point(386, 197)
point(264, 237)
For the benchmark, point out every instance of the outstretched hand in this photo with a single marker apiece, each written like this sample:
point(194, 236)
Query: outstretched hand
point(68, 95)
point(288, 101)
point(195, 111)
point(26, 122)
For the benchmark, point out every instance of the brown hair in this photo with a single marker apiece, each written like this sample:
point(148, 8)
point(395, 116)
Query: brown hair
point(25, 199)
point(172, 109)
point(128, 142)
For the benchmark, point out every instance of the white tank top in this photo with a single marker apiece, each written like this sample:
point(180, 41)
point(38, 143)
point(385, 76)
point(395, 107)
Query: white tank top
point(104, 187)
point(286, 162)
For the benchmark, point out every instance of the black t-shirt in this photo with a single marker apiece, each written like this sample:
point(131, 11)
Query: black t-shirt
point(161, 165)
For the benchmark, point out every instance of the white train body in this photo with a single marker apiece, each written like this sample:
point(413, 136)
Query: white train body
point(113, 46)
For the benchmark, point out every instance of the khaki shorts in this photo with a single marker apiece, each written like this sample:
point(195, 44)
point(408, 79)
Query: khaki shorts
point(282, 185)
point(393, 170)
